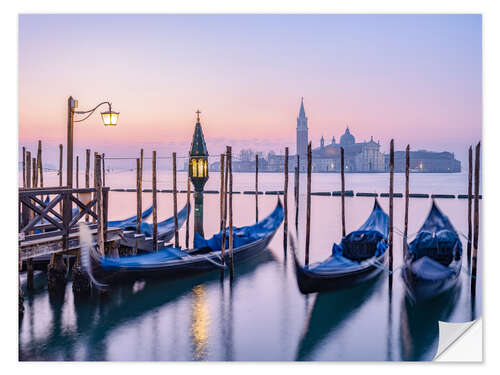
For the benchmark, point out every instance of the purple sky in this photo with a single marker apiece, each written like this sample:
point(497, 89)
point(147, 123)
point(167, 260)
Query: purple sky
point(416, 78)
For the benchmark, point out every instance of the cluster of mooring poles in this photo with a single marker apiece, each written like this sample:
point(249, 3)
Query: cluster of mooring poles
point(473, 196)
point(32, 179)
point(32, 173)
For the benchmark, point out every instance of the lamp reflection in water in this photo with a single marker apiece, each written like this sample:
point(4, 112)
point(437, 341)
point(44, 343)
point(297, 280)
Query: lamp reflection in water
point(200, 323)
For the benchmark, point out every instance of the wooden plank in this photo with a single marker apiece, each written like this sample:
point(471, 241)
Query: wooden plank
point(52, 245)
point(366, 194)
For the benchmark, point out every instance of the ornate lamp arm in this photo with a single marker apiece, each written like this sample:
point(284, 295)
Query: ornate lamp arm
point(90, 112)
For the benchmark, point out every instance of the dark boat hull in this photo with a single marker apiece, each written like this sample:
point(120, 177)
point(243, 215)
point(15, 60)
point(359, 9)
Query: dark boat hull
point(312, 282)
point(180, 267)
point(420, 289)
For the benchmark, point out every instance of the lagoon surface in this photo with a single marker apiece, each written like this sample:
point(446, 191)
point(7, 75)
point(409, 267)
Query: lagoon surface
point(261, 315)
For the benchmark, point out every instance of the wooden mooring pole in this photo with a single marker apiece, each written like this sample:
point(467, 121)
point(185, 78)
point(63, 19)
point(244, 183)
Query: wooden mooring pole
point(174, 194)
point(29, 262)
point(188, 199)
point(60, 164)
point(100, 222)
point(39, 163)
point(223, 205)
point(285, 203)
point(230, 168)
point(407, 190)
point(77, 171)
point(28, 169)
point(155, 206)
point(226, 174)
point(476, 219)
point(87, 175)
point(391, 209)
point(297, 187)
point(221, 195)
point(256, 188)
point(138, 218)
point(469, 210)
point(24, 167)
point(97, 167)
point(35, 176)
point(103, 171)
point(342, 189)
point(308, 209)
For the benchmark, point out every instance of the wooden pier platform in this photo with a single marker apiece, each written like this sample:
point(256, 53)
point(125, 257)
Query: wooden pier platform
point(48, 223)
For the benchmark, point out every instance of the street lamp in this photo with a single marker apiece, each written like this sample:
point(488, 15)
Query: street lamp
point(109, 118)
point(198, 172)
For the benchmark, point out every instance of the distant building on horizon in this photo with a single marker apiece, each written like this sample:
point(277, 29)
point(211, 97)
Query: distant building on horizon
point(362, 157)
point(302, 136)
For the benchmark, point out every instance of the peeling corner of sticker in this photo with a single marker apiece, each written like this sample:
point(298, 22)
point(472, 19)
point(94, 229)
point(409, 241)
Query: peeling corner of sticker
point(452, 333)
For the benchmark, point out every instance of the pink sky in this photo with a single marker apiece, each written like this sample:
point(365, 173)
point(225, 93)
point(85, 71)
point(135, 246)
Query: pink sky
point(413, 78)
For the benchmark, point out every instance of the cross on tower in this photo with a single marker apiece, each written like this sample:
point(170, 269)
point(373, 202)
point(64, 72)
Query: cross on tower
point(198, 115)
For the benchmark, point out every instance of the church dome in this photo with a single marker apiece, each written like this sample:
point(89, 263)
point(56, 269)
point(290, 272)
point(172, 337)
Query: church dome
point(347, 138)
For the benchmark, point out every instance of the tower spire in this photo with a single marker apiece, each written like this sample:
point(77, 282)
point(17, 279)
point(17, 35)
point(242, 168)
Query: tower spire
point(302, 112)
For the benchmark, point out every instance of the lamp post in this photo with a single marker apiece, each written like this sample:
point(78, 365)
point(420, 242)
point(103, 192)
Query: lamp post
point(198, 172)
point(109, 118)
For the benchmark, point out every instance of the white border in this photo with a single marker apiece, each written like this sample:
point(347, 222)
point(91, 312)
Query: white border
point(491, 83)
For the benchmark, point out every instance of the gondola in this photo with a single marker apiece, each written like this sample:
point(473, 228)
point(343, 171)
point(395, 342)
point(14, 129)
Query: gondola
point(172, 262)
point(360, 256)
point(40, 262)
point(432, 261)
point(166, 231)
point(131, 221)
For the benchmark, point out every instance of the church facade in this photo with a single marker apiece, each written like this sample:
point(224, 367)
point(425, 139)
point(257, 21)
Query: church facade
point(358, 157)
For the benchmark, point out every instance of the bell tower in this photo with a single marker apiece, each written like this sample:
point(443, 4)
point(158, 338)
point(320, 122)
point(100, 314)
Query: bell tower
point(302, 136)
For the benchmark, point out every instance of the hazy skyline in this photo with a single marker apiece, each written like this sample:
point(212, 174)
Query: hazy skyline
point(414, 78)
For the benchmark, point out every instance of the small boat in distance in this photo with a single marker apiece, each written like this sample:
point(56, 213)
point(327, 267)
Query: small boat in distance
point(172, 262)
point(360, 256)
point(433, 260)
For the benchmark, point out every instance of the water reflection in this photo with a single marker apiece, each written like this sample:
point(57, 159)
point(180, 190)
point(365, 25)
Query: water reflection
point(200, 323)
point(328, 313)
point(420, 327)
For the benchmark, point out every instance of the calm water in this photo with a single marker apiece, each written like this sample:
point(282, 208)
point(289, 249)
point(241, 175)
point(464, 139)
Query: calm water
point(261, 315)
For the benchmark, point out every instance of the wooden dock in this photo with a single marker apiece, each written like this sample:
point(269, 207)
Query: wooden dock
point(45, 230)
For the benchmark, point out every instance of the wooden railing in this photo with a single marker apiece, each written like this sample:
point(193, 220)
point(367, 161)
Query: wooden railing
point(41, 218)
